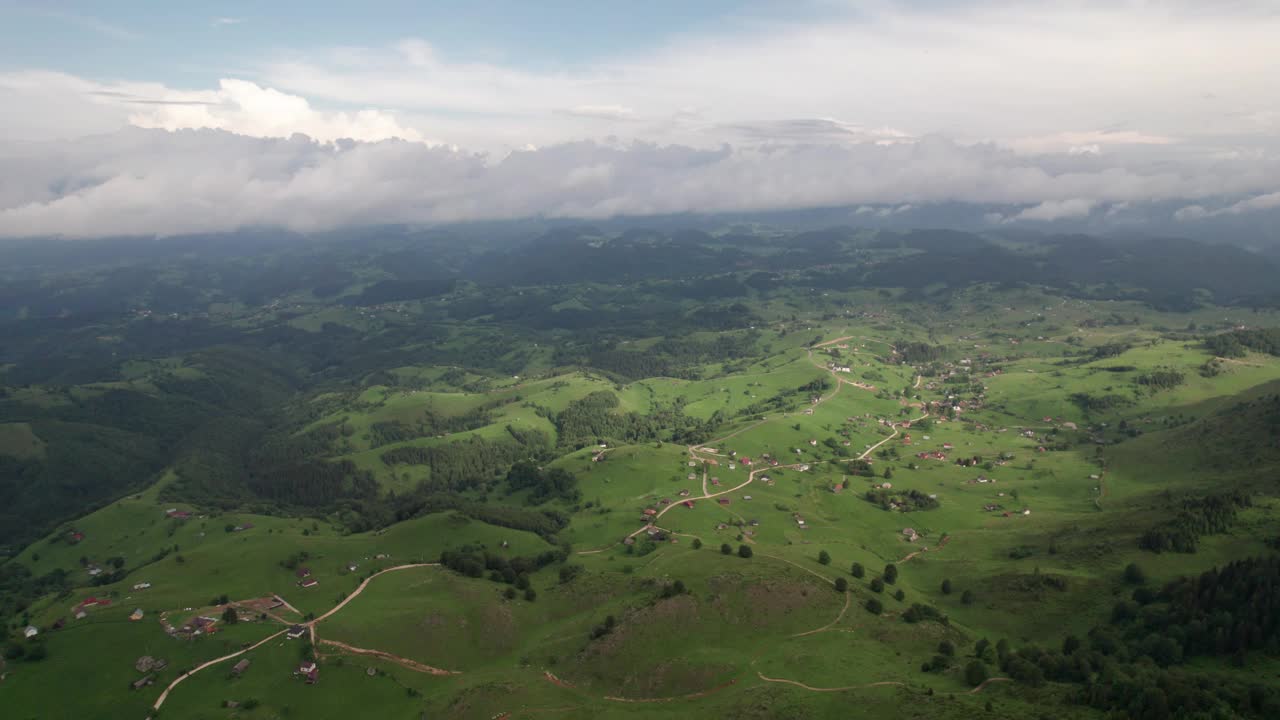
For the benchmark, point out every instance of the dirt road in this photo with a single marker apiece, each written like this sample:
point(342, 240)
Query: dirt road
point(164, 695)
point(403, 662)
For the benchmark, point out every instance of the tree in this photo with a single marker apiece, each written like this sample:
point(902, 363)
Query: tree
point(877, 585)
point(697, 543)
point(1134, 574)
point(230, 616)
point(1070, 644)
point(891, 573)
point(726, 549)
point(967, 597)
point(975, 673)
point(874, 607)
point(946, 647)
point(888, 473)
point(899, 595)
point(744, 551)
point(530, 594)
point(842, 585)
point(946, 586)
point(857, 570)
point(824, 557)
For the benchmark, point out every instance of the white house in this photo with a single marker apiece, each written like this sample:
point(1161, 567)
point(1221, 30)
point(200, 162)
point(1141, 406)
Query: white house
point(30, 631)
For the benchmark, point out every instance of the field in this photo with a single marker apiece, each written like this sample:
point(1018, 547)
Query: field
point(1004, 482)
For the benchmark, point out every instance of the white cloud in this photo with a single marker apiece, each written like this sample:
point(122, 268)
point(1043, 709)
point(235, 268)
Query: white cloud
point(1050, 210)
point(1258, 203)
point(57, 105)
point(160, 182)
point(225, 21)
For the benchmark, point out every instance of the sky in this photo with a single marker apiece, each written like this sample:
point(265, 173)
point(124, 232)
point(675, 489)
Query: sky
point(133, 118)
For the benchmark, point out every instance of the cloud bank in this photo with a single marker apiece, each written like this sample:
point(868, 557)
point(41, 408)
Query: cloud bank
point(152, 181)
point(1058, 113)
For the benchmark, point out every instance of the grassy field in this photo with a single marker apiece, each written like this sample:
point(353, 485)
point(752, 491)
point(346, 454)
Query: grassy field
point(1031, 535)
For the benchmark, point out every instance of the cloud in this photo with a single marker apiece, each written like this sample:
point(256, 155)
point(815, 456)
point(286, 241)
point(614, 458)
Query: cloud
point(1258, 203)
point(604, 112)
point(57, 105)
point(225, 21)
point(159, 182)
point(1050, 210)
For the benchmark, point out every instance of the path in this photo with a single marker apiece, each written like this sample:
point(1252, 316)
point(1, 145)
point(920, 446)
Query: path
point(847, 597)
point(164, 695)
point(355, 593)
point(403, 662)
point(836, 689)
point(987, 682)
point(941, 545)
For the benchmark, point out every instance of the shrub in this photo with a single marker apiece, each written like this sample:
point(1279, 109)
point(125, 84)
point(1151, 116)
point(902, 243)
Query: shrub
point(975, 673)
point(726, 549)
point(842, 585)
point(874, 606)
point(744, 551)
point(877, 585)
point(824, 557)
point(857, 570)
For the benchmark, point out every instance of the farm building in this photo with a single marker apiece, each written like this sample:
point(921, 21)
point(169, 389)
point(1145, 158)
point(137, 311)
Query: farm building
point(309, 582)
point(136, 615)
point(296, 632)
point(239, 668)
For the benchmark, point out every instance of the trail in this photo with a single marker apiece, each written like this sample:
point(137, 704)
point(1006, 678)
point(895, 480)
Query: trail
point(987, 682)
point(403, 662)
point(911, 555)
point(356, 593)
point(164, 695)
point(836, 689)
point(814, 573)
point(847, 597)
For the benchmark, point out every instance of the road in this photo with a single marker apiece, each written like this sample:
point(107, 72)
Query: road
point(164, 695)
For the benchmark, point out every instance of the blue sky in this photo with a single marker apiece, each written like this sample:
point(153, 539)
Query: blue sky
point(178, 45)
point(156, 117)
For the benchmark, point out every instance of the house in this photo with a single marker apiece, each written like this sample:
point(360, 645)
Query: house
point(746, 461)
point(239, 668)
point(30, 631)
point(302, 572)
point(351, 567)
point(910, 534)
point(242, 528)
point(723, 501)
point(142, 586)
point(81, 614)
point(314, 675)
point(136, 615)
point(684, 493)
point(692, 476)
point(754, 523)
point(813, 443)
point(307, 667)
point(650, 511)
point(687, 503)
point(94, 571)
point(75, 537)
point(177, 514)
point(948, 446)
point(309, 582)
point(746, 497)
point(664, 501)
point(803, 467)
point(296, 632)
